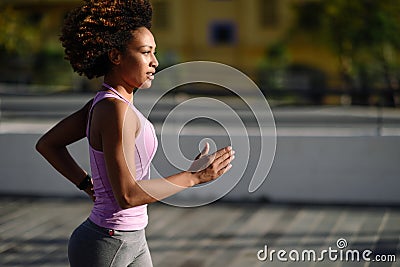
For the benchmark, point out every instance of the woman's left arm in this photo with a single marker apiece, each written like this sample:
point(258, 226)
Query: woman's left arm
point(53, 146)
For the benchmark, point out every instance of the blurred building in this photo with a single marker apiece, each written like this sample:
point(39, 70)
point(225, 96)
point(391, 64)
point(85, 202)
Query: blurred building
point(235, 32)
point(245, 34)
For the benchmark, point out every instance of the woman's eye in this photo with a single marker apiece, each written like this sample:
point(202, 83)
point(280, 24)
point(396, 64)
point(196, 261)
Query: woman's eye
point(148, 53)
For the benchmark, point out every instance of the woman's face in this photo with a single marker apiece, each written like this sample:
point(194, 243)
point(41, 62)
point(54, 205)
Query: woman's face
point(138, 63)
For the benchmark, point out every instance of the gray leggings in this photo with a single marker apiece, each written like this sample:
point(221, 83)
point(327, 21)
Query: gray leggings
point(93, 246)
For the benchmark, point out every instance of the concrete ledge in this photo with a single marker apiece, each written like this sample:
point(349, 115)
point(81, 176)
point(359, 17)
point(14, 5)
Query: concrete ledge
point(354, 170)
point(361, 170)
point(24, 171)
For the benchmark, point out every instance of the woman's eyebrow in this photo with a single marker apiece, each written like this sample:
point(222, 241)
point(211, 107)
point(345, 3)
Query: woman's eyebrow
point(149, 46)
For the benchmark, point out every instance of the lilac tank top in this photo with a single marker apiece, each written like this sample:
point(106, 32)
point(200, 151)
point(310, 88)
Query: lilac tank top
point(106, 211)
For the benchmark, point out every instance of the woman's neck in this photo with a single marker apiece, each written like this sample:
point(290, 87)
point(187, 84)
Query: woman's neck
point(124, 90)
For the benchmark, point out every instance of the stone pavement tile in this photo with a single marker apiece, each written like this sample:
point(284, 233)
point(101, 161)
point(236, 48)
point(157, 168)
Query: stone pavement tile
point(35, 232)
point(252, 235)
point(190, 231)
point(249, 236)
point(386, 240)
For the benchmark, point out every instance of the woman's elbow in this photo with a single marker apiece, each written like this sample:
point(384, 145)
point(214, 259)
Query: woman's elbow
point(127, 202)
point(123, 203)
point(41, 146)
point(125, 206)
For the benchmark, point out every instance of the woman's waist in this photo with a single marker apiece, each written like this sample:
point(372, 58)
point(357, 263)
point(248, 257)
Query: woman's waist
point(108, 205)
point(113, 217)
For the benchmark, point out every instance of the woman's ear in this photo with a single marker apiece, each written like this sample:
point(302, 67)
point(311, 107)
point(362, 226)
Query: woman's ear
point(115, 56)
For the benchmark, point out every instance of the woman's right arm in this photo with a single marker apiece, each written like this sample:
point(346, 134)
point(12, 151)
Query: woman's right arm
point(53, 145)
point(118, 143)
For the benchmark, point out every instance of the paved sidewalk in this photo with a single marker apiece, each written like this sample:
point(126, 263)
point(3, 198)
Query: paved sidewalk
point(35, 232)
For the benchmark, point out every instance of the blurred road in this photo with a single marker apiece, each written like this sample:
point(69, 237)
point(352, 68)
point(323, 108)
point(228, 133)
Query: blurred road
point(37, 113)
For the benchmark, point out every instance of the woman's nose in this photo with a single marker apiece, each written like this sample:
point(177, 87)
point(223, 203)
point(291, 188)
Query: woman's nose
point(154, 62)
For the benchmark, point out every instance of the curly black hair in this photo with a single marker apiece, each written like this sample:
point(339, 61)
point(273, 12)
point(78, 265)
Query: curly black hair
point(92, 30)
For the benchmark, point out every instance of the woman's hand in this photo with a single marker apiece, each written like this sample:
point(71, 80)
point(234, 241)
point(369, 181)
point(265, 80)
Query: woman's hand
point(90, 192)
point(209, 167)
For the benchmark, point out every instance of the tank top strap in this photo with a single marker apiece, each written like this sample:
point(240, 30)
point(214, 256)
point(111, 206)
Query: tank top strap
point(116, 92)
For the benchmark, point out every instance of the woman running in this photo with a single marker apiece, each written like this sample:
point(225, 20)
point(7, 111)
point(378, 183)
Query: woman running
point(112, 39)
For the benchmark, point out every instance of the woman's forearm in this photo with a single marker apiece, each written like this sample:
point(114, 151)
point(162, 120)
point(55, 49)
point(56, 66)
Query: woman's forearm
point(148, 191)
point(153, 190)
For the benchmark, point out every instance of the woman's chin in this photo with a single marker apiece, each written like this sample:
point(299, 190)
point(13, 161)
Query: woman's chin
point(146, 84)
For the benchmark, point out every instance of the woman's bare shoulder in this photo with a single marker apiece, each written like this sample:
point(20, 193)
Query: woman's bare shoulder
point(110, 106)
point(113, 111)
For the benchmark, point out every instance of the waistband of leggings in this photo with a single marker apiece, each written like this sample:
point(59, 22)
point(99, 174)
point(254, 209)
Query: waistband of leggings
point(109, 230)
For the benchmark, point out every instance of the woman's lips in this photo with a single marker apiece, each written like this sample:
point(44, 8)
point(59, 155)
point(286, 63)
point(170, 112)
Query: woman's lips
point(150, 75)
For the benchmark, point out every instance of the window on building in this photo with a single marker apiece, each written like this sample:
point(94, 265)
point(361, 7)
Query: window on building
point(161, 15)
point(269, 13)
point(223, 33)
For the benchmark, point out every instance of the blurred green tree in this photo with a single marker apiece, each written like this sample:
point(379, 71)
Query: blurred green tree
point(17, 34)
point(365, 36)
point(29, 53)
point(273, 66)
